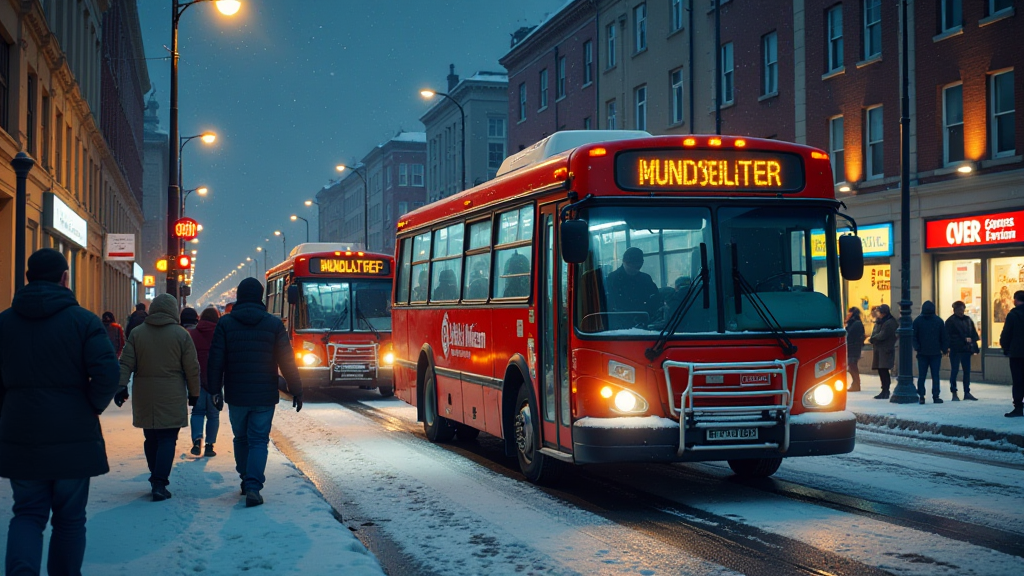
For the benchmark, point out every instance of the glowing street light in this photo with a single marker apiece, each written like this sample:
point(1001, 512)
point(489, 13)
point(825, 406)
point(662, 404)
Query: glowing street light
point(428, 94)
point(228, 7)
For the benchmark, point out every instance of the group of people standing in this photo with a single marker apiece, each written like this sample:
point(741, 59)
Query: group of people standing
point(934, 338)
point(60, 367)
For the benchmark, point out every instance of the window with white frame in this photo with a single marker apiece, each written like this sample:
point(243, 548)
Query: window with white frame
point(560, 79)
point(610, 36)
point(612, 116)
point(835, 149)
point(676, 78)
point(543, 88)
point(522, 101)
point(403, 174)
point(727, 77)
point(951, 15)
point(834, 21)
point(495, 127)
point(873, 152)
point(770, 72)
point(640, 28)
point(417, 175)
point(640, 97)
point(495, 156)
point(872, 28)
point(996, 6)
point(677, 15)
point(588, 62)
point(1003, 109)
point(953, 123)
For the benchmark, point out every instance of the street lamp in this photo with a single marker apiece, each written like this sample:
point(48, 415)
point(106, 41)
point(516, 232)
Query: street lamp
point(294, 218)
point(366, 202)
point(430, 94)
point(309, 203)
point(284, 245)
point(202, 190)
point(265, 268)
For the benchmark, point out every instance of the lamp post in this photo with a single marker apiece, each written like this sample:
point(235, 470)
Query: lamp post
point(228, 8)
point(309, 204)
point(265, 268)
point(294, 218)
point(22, 164)
point(430, 94)
point(366, 202)
point(284, 245)
point(202, 190)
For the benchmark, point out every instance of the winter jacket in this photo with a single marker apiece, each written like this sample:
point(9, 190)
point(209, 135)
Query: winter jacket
point(631, 293)
point(930, 337)
point(58, 372)
point(854, 339)
point(163, 358)
point(116, 335)
point(134, 321)
point(202, 337)
point(959, 329)
point(883, 339)
point(1012, 337)
point(249, 347)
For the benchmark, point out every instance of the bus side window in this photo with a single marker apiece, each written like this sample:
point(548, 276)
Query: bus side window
point(402, 276)
point(478, 261)
point(420, 277)
point(513, 255)
point(271, 295)
point(447, 263)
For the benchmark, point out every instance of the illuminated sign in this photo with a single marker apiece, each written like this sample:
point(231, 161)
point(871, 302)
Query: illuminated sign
point(120, 247)
point(875, 238)
point(374, 266)
point(975, 231)
point(186, 229)
point(62, 219)
point(149, 281)
point(712, 170)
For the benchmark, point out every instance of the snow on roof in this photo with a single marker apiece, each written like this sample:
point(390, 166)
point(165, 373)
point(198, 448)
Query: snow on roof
point(484, 76)
point(560, 142)
point(540, 26)
point(410, 137)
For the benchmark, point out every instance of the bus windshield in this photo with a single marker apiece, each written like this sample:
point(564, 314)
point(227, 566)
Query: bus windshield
point(339, 306)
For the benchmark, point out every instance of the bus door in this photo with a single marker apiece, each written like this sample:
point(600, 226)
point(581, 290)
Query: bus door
point(554, 337)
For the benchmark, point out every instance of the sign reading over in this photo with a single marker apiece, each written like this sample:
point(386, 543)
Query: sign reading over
point(971, 231)
point(373, 266)
point(186, 229)
point(712, 170)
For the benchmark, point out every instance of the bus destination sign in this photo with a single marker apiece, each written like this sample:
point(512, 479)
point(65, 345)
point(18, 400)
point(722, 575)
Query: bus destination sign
point(709, 170)
point(369, 266)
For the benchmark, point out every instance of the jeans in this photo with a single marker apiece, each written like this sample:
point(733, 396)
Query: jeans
point(204, 409)
point(883, 375)
point(1017, 373)
point(159, 448)
point(33, 501)
point(251, 425)
point(956, 360)
point(924, 363)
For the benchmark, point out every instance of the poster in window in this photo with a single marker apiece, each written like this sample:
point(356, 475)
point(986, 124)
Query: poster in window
point(1006, 277)
point(870, 291)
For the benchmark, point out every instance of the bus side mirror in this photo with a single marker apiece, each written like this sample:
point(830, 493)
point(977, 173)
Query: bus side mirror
point(851, 257)
point(293, 294)
point(575, 241)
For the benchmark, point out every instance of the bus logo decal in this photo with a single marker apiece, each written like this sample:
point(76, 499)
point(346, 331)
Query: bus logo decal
point(446, 335)
point(456, 336)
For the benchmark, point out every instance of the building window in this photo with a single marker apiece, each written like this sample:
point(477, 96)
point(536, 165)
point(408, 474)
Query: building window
point(45, 131)
point(677, 96)
point(58, 147)
point(872, 28)
point(952, 15)
point(5, 83)
point(403, 174)
point(640, 95)
point(387, 177)
point(770, 49)
point(640, 28)
point(495, 156)
point(873, 156)
point(610, 35)
point(588, 62)
point(417, 175)
point(495, 127)
point(522, 101)
point(1003, 108)
point(677, 15)
point(586, 123)
point(834, 19)
point(31, 115)
point(726, 79)
point(953, 123)
point(560, 80)
point(612, 120)
point(835, 151)
point(543, 88)
point(996, 6)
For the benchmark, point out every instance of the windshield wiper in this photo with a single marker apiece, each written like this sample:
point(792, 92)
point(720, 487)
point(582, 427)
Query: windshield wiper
point(698, 286)
point(740, 287)
point(361, 316)
point(344, 314)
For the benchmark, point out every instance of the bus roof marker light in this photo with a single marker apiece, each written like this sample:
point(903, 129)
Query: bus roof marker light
point(359, 253)
point(598, 151)
point(819, 155)
point(690, 142)
point(561, 172)
point(348, 253)
point(715, 142)
point(740, 143)
point(467, 203)
point(337, 253)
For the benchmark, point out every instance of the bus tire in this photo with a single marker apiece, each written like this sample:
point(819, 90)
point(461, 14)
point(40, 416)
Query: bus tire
point(537, 468)
point(466, 433)
point(755, 467)
point(436, 427)
point(386, 391)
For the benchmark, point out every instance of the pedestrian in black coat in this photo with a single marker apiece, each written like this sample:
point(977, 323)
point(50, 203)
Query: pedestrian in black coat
point(249, 348)
point(854, 346)
point(1012, 342)
point(137, 318)
point(58, 372)
point(883, 338)
point(931, 343)
point(963, 343)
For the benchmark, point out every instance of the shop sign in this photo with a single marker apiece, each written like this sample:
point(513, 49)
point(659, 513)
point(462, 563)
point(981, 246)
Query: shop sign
point(149, 281)
point(60, 218)
point(975, 231)
point(120, 247)
point(137, 272)
point(875, 238)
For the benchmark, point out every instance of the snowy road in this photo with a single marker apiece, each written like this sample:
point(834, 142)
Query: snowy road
point(464, 508)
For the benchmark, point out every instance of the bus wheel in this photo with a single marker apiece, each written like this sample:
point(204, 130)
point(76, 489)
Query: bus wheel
point(437, 428)
point(755, 467)
point(466, 433)
point(386, 391)
point(537, 468)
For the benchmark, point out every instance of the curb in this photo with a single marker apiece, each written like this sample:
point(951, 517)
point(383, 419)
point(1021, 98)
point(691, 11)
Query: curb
point(949, 431)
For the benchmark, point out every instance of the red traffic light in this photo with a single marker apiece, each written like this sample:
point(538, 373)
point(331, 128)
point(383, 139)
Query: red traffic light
point(184, 262)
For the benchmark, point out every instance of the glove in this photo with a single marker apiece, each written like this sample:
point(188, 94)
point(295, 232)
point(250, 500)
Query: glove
point(121, 397)
point(193, 400)
point(297, 402)
point(218, 402)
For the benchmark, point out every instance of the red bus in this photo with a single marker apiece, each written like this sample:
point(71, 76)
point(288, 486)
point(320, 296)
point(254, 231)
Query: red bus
point(612, 296)
point(336, 304)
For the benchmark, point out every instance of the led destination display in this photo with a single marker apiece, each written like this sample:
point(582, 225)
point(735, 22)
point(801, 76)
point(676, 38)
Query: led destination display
point(371, 266)
point(712, 170)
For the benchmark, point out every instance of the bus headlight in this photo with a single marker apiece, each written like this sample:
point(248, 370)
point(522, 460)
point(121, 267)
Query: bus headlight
point(625, 401)
point(389, 358)
point(819, 396)
point(310, 359)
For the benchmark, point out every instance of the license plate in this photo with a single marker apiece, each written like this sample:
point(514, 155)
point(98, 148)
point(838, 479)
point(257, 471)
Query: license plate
point(733, 434)
point(350, 366)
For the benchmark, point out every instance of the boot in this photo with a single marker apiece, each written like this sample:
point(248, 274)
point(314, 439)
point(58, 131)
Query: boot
point(883, 395)
point(160, 493)
point(1017, 412)
point(968, 396)
point(921, 400)
point(936, 400)
point(253, 498)
point(209, 451)
point(957, 398)
point(197, 446)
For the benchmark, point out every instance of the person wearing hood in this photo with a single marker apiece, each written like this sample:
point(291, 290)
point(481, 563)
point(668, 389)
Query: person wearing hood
point(883, 342)
point(250, 348)
point(114, 332)
point(136, 319)
point(1011, 340)
point(163, 359)
point(204, 410)
point(58, 373)
point(189, 318)
point(854, 346)
point(963, 343)
point(931, 342)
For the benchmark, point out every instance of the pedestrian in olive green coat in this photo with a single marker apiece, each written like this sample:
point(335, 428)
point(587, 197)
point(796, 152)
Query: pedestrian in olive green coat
point(163, 359)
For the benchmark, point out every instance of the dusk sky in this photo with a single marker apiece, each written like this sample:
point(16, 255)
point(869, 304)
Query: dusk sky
point(293, 88)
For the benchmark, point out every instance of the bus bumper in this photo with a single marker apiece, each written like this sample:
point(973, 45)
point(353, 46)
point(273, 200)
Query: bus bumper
point(320, 377)
point(655, 439)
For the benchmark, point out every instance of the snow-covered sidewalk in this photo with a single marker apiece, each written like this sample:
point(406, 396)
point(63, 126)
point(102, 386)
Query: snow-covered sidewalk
point(206, 527)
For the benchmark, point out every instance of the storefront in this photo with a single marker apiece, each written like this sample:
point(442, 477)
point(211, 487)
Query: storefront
point(874, 287)
point(65, 232)
point(978, 259)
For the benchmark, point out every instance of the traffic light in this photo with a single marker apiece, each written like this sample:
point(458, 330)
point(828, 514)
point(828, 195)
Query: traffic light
point(161, 265)
point(184, 262)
